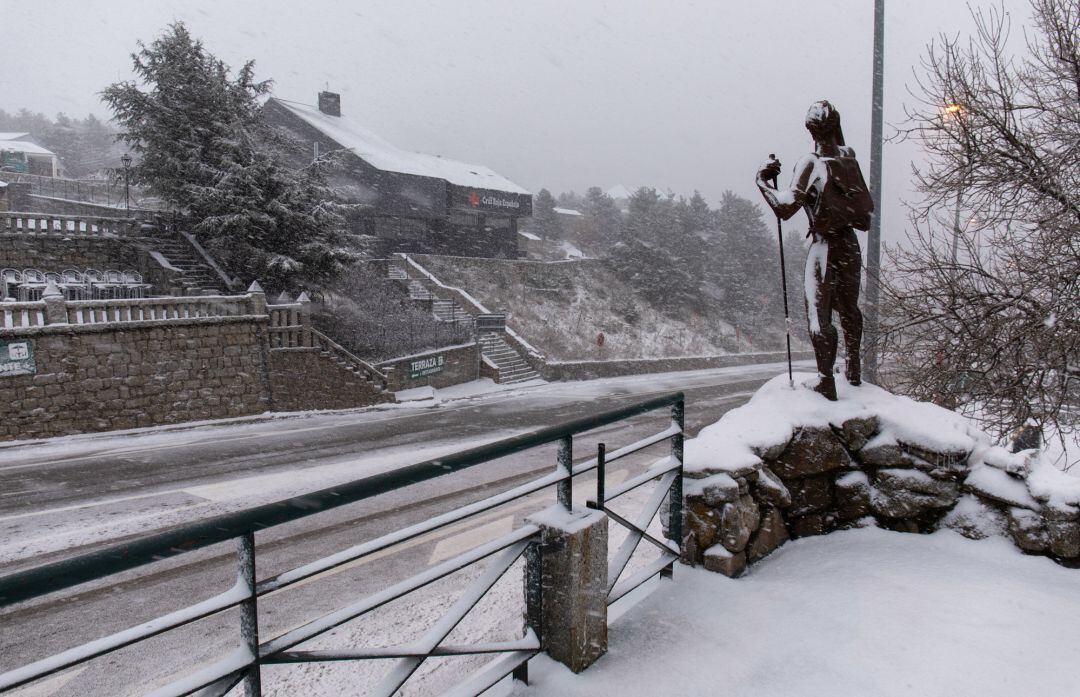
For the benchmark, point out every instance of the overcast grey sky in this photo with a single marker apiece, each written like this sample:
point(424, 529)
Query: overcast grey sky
point(557, 94)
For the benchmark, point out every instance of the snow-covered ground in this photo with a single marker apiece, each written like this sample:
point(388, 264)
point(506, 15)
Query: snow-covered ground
point(859, 612)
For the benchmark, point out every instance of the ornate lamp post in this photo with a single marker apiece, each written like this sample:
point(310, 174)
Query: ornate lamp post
point(125, 159)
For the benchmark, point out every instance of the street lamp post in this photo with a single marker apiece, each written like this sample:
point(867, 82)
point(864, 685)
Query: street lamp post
point(873, 239)
point(125, 159)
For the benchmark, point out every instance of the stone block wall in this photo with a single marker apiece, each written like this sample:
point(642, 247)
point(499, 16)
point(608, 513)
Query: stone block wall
point(302, 379)
point(824, 479)
point(115, 376)
point(453, 365)
point(59, 252)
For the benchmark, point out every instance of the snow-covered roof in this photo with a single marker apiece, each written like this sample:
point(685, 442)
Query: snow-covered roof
point(529, 235)
point(26, 147)
point(386, 156)
point(13, 135)
point(619, 191)
point(567, 211)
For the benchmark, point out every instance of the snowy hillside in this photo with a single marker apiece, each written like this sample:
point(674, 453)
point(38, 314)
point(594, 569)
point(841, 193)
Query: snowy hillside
point(561, 307)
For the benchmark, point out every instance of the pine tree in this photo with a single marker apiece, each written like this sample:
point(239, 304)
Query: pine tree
point(751, 266)
point(195, 129)
point(545, 221)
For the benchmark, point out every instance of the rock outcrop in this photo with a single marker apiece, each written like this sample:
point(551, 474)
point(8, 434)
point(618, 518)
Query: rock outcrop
point(789, 465)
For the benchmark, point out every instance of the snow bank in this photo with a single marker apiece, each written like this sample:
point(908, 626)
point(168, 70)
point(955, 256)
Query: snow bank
point(861, 612)
point(774, 413)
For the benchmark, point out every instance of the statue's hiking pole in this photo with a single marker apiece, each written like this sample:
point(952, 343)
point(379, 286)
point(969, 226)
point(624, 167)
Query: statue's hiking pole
point(783, 283)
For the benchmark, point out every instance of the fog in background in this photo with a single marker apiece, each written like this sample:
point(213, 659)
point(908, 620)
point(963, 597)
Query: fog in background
point(556, 94)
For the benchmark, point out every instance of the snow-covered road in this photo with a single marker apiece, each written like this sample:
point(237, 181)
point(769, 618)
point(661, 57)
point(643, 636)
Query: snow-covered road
point(83, 490)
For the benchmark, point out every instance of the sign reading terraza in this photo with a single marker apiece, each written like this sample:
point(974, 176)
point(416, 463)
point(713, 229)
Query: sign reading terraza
point(426, 366)
point(17, 358)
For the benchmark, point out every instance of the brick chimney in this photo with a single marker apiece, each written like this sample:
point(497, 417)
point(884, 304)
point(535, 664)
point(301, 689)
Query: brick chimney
point(330, 103)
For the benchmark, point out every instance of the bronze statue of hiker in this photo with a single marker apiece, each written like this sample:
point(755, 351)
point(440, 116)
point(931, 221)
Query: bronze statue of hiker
point(829, 186)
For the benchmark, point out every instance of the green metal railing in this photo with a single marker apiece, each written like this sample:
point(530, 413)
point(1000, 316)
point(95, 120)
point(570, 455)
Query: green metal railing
point(244, 665)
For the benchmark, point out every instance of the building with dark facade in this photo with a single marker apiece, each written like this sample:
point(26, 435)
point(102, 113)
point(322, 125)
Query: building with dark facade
point(416, 202)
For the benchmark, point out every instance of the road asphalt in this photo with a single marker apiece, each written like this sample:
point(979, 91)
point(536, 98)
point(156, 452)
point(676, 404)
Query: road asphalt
point(71, 495)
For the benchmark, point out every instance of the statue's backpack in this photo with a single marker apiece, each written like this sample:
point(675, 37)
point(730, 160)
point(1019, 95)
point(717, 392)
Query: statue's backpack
point(845, 199)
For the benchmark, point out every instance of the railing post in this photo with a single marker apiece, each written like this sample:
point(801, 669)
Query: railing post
point(534, 600)
point(601, 454)
point(675, 493)
point(305, 319)
point(567, 585)
point(249, 612)
point(566, 463)
point(55, 306)
point(258, 298)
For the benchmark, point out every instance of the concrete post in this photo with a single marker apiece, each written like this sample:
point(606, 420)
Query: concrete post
point(258, 298)
point(566, 585)
point(305, 319)
point(55, 306)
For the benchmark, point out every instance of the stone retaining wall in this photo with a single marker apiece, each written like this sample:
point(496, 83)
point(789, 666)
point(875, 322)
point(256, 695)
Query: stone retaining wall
point(308, 378)
point(59, 252)
point(823, 479)
point(115, 376)
point(444, 367)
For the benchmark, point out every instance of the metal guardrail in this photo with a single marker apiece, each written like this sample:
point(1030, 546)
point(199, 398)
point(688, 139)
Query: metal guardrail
point(244, 665)
point(102, 192)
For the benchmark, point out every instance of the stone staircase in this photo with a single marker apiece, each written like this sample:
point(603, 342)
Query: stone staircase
point(450, 311)
point(365, 373)
point(512, 367)
point(197, 277)
point(419, 292)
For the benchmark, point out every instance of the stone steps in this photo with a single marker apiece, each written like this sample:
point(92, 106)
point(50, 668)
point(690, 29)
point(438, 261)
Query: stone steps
point(349, 366)
point(197, 277)
point(512, 367)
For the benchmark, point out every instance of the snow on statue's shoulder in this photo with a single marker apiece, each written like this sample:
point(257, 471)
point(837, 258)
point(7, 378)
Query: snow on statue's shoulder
point(776, 411)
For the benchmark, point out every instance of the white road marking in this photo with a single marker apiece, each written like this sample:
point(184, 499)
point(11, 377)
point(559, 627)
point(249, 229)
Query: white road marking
point(458, 544)
point(80, 506)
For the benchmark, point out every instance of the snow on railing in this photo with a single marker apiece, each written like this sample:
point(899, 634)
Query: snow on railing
point(154, 309)
point(17, 315)
point(47, 224)
point(55, 311)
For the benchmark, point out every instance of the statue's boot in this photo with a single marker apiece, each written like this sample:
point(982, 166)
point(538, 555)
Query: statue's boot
point(853, 371)
point(826, 387)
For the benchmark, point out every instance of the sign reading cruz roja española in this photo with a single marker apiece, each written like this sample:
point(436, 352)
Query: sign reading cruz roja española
point(423, 367)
